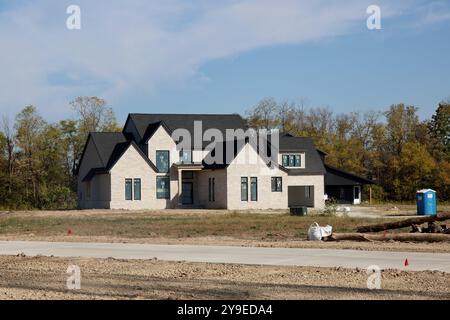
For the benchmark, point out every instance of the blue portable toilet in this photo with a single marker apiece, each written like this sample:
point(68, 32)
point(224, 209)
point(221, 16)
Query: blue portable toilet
point(426, 202)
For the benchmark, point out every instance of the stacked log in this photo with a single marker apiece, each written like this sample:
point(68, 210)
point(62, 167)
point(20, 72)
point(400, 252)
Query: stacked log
point(402, 237)
point(404, 223)
point(430, 233)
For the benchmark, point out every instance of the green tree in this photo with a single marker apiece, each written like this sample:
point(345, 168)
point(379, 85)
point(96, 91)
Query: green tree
point(56, 189)
point(439, 127)
point(92, 114)
point(72, 144)
point(410, 171)
point(29, 127)
point(401, 126)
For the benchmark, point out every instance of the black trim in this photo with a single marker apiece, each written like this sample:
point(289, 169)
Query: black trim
point(274, 185)
point(128, 183)
point(168, 160)
point(152, 128)
point(168, 186)
point(244, 181)
point(254, 182)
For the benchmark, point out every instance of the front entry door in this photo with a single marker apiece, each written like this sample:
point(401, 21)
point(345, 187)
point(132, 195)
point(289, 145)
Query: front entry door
point(187, 193)
point(356, 195)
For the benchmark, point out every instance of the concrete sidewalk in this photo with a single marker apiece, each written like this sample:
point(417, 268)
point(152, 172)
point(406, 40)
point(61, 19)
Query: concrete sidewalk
point(240, 255)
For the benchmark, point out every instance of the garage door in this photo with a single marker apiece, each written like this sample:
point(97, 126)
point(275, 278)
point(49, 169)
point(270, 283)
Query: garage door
point(301, 196)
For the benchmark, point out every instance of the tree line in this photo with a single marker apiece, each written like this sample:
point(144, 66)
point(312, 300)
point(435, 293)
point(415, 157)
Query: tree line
point(38, 158)
point(394, 148)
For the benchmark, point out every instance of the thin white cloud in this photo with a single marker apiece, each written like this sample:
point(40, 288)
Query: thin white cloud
point(436, 12)
point(428, 13)
point(134, 45)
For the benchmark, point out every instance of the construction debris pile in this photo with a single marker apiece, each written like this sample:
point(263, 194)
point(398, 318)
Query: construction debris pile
point(423, 229)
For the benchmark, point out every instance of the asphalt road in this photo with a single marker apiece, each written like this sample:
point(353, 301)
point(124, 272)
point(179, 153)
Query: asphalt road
point(241, 255)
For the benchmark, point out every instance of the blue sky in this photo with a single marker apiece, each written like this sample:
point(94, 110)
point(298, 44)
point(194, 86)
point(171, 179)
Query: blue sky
point(223, 56)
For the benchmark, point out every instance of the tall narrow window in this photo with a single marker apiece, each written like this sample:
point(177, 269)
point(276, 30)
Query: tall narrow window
point(254, 189)
point(277, 184)
point(291, 161)
point(162, 187)
point(244, 189)
point(186, 156)
point(137, 189)
point(128, 189)
point(212, 186)
point(213, 189)
point(162, 161)
point(297, 162)
point(209, 190)
point(285, 160)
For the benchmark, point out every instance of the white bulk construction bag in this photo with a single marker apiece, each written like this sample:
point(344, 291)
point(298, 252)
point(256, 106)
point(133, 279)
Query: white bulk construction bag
point(316, 232)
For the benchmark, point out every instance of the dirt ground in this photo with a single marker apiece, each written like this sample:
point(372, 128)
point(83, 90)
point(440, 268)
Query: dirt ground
point(46, 278)
point(202, 227)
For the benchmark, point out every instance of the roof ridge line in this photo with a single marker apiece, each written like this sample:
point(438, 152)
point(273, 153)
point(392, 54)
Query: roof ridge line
point(188, 114)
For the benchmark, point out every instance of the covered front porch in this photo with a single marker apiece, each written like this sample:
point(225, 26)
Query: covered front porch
point(344, 187)
point(188, 184)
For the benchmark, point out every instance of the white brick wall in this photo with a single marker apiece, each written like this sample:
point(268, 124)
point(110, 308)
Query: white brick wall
point(248, 164)
point(161, 140)
point(132, 165)
point(220, 194)
point(244, 166)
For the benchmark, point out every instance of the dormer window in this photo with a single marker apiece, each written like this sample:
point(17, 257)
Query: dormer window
point(292, 160)
point(186, 156)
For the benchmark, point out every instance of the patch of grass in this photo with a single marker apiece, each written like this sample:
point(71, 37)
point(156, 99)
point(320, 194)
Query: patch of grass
point(129, 225)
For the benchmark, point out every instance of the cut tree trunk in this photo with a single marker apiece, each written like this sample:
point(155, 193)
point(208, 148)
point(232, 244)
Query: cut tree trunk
point(416, 228)
point(402, 237)
point(347, 236)
point(403, 223)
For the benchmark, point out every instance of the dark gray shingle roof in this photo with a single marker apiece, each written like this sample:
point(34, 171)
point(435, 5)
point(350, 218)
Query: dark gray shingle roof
point(107, 144)
point(338, 177)
point(147, 124)
point(110, 147)
point(313, 161)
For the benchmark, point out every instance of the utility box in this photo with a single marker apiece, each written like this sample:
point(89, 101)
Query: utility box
point(426, 202)
point(298, 211)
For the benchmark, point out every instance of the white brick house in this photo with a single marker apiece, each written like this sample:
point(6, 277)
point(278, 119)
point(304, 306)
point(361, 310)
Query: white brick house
point(143, 168)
